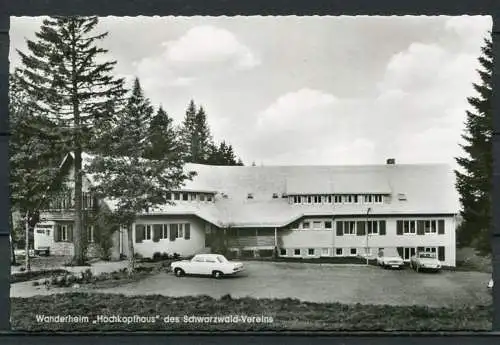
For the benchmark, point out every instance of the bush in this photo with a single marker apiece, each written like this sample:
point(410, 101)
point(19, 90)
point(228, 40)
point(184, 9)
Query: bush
point(156, 256)
point(164, 256)
point(176, 256)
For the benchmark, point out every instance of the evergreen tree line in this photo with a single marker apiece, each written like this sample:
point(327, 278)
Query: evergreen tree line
point(65, 98)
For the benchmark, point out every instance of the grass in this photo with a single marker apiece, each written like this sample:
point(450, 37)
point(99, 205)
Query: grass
point(287, 314)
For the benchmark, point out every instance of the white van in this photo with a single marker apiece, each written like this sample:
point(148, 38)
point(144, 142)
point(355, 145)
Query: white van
point(43, 237)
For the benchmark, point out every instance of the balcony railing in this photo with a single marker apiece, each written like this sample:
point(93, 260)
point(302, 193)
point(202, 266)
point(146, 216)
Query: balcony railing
point(252, 241)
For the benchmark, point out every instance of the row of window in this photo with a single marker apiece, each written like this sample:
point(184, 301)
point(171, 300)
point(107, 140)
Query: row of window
point(373, 227)
point(338, 199)
point(64, 233)
point(190, 196)
point(405, 252)
point(66, 201)
point(420, 227)
point(156, 232)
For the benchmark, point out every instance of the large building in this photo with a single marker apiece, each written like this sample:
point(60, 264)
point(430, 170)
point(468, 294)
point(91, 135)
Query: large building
point(303, 211)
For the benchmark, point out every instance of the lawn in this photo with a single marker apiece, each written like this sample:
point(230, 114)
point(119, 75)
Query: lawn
point(286, 314)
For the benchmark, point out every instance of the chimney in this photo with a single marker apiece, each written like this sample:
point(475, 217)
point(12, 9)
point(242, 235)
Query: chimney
point(391, 161)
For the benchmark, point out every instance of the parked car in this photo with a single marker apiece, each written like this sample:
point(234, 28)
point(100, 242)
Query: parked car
point(389, 257)
point(425, 261)
point(215, 265)
point(490, 285)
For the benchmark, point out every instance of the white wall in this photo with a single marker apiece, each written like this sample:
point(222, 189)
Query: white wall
point(327, 238)
point(181, 246)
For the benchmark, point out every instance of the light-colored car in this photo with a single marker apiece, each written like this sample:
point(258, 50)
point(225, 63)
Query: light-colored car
point(425, 261)
point(389, 257)
point(215, 265)
point(490, 284)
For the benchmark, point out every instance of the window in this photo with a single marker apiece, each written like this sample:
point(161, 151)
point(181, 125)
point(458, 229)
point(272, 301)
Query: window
point(174, 229)
point(368, 199)
point(275, 195)
point(165, 231)
point(249, 196)
point(90, 233)
point(305, 225)
point(48, 232)
point(355, 199)
point(209, 197)
point(354, 251)
point(296, 199)
point(147, 235)
point(282, 251)
point(310, 251)
point(309, 199)
point(187, 231)
point(409, 227)
point(337, 199)
point(349, 227)
point(338, 251)
point(328, 224)
point(324, 252)
point(296, 252)
point(168, 196)
point(210, 259)
point(329, 199)
point(185, 196)
point(202, 197)
point(317, 199)
point(317, 225)
point(180, 232)
point(378, 199)
point(430, 226)
point(177, 196)
point(87, 200)
point(64, 233)
point(372, 227)
point(198, 259)
point(348, 199)
point(429, 249)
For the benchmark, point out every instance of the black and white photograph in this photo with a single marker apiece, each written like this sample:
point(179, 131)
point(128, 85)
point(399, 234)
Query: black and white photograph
point(259, 173)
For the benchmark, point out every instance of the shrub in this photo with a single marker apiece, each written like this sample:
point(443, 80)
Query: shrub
point(156, 256)
point(164, 256)
point(176, 256)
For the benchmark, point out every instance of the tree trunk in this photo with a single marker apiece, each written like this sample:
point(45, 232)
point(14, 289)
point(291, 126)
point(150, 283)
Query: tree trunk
point(131, 258)
point(12, 253)
point(27, 246)
point(78, 259)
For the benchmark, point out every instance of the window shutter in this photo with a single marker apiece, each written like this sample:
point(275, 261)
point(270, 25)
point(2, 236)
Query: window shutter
point(157, 232)
point(361, 228)
point(400, 251)
point(441, 227)
point(382, 227)
point(139, 233)
point(187, 231)
point(70, 233)
point(399, 227)
point(420, 227)
point(57, 233)
point(441, 256)
point(173, 232)
point(340, 228)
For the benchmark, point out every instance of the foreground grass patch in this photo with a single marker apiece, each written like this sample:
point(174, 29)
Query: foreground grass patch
point(286, 314)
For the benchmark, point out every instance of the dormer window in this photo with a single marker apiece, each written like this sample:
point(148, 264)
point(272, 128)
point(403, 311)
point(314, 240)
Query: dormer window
point(275, 195)
point(209, 197)
point(402, 197)
point(250, 196)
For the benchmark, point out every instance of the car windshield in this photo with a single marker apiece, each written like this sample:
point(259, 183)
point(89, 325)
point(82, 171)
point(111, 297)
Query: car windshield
point(389, 252)
point(221, 259)
point(428, 255)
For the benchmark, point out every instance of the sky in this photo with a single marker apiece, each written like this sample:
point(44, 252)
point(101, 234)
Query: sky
point(305, 90)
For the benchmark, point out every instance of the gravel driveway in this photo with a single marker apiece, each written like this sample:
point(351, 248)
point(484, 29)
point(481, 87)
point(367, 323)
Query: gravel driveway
point(327, 283)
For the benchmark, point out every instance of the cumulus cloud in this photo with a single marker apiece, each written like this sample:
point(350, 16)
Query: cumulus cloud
point(203, 51)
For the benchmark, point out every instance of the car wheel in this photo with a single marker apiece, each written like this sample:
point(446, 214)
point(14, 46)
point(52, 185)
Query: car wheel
point(179, 272)
point(217, 274)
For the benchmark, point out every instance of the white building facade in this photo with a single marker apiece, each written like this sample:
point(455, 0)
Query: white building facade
point(300, 211)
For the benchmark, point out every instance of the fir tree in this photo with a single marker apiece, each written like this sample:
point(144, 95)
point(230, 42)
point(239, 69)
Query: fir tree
point(474, 181)
point(70, 86)
point(223, 155)
point(189, 138)
point(134, 183)
point(163, 138)
point(204, 138)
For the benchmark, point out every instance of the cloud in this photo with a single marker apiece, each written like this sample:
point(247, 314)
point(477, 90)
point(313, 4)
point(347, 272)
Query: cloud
point(471, 30)
point(207, 43)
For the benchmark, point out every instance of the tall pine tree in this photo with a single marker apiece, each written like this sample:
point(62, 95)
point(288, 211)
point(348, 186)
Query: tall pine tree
point(63, 74)
point(195, 134)
point(163, 137)
point(474, 181)
point(126, 176)
point(223, 155)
